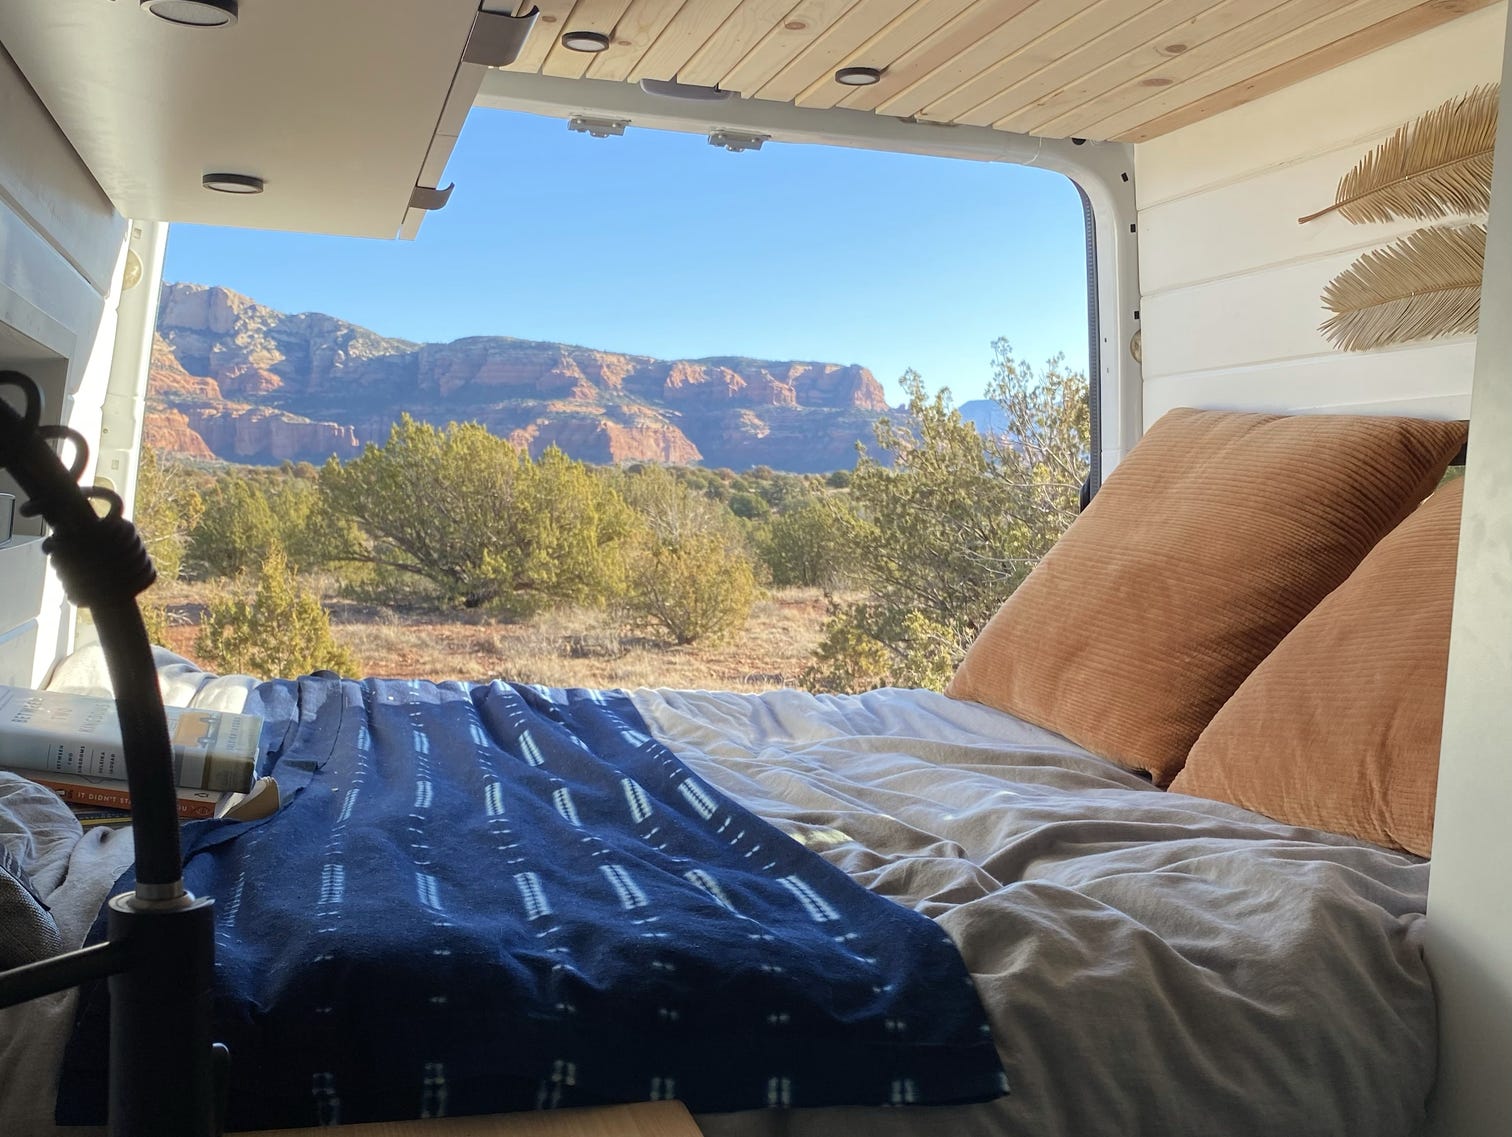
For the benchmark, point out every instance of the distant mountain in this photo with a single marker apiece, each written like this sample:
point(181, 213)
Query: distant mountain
point(984, 414)
point(236, 380)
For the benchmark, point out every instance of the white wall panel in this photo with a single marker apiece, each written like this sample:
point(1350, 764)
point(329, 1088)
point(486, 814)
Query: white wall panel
point(1197, 238)
point(1231, 284)
point(1269, 315)
point(1388, 382)
point(1469, 901)
point(43, 180)
point(61, 249)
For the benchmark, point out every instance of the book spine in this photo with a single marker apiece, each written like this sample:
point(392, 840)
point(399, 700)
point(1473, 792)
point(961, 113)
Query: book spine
point(74, 734)
point(114, 798)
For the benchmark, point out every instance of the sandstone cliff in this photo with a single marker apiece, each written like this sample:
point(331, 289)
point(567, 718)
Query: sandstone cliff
point(252, 384)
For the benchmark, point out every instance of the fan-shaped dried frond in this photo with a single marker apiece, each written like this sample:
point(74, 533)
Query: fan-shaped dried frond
point(1439, 165)
point(1428, 284)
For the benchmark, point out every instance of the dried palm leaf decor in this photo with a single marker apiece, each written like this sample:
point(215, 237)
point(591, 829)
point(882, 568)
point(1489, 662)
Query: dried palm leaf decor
point(1437, 166)
point(1426, 284)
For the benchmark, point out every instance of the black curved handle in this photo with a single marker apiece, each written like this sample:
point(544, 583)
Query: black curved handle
point(103, 566)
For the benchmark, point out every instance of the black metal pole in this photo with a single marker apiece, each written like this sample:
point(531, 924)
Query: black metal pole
point(162, 1067)
point(49, 976)
point(166, 1078)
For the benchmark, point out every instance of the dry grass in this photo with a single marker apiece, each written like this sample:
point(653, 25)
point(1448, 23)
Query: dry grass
point(576, 648)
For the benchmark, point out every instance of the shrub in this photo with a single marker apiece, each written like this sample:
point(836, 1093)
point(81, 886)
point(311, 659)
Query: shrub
point(154, 619)
point(808, 546)
point(280, 630)
point(166, 511)
point(749, 506)
point(691, 573)
point(946, 532)
point(694, 587)
point(468, 519)
point(237, 530)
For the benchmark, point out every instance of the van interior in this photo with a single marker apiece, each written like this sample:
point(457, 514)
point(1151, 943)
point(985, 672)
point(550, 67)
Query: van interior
point(1197, 133)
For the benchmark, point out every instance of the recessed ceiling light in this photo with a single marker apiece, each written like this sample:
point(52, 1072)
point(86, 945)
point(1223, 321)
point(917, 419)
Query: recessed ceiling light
point(194, 13)
point(232, 183)
point(858, 76)
point(585, 41)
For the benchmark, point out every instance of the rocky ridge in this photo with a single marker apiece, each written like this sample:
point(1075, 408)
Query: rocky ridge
point(234, 379)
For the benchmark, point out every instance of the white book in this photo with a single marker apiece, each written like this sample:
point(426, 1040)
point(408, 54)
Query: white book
point(80, 735)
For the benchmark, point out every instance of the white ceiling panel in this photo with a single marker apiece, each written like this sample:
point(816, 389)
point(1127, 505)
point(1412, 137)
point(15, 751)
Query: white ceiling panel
point(334, 103)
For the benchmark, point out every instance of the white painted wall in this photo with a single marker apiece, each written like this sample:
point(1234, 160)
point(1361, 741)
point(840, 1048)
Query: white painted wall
point(1469, 901)
point(1231, 282)
point(62, 247)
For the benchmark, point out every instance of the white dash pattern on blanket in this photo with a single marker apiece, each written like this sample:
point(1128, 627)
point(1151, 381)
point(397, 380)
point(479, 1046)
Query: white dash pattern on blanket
point(819, 910)
point(706, 882)
point(534, 896)
point(629, 893)
point(561, 797)
point(699, 798)
point(638, 799)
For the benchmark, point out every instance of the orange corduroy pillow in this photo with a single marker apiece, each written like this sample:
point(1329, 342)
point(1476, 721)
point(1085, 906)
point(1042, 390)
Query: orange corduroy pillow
point(1339, 727)
point(1206, 546)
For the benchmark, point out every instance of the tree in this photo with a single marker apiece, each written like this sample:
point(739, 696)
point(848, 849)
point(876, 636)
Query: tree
point(945, 534)
point(695, 587)
point(464, 515)
point(280, 630)
point(807, 546)
point(166, 510)
point(238, 529)
point(749, 506)
point(690, 572)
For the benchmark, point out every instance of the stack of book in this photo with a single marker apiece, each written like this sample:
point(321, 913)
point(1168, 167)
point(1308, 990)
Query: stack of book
point(72, 745)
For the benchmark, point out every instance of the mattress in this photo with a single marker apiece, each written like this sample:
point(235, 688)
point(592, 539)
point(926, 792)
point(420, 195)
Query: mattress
point(1151, 963)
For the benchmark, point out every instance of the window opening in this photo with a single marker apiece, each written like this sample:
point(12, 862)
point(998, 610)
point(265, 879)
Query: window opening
point(645, 487)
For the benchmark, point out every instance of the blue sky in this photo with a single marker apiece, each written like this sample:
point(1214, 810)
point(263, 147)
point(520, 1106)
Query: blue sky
point(660, 244)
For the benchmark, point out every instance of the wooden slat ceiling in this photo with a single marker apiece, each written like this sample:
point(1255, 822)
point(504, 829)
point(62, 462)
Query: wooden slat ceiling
point(1127, 70)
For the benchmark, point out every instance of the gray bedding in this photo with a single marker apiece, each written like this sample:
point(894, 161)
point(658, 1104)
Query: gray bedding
point(1152, 963)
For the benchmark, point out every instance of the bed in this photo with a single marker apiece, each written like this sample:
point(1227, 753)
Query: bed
point(1148, 960)
point(1150, 963)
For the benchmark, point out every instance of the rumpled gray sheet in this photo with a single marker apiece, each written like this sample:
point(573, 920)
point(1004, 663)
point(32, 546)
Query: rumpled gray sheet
point(1152, 963)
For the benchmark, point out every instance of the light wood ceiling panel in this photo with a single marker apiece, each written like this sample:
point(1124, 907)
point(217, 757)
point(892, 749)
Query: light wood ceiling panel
point(548, 26)
point(635, 33)
point(936, 51)
point(1133, 65)
point(682, 38)
point(1090, 55)
point(749, 24)
point(586, 16)
point(1122, 69)
point(1373, 38)
point(917, 25)
point(1065, 37)
point(1003, 43)
point(798, 31)
point(831, 49)
point(1205, 58)
point(1260, 58)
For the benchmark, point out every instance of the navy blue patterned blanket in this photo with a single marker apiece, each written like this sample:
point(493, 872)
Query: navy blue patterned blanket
point(493, 898)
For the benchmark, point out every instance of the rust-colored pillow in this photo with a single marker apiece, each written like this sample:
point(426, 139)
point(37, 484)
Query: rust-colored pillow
point(1210, 542)
point(1339, 727)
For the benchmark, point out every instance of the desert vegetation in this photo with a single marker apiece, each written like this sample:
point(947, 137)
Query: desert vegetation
point(447, 549)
